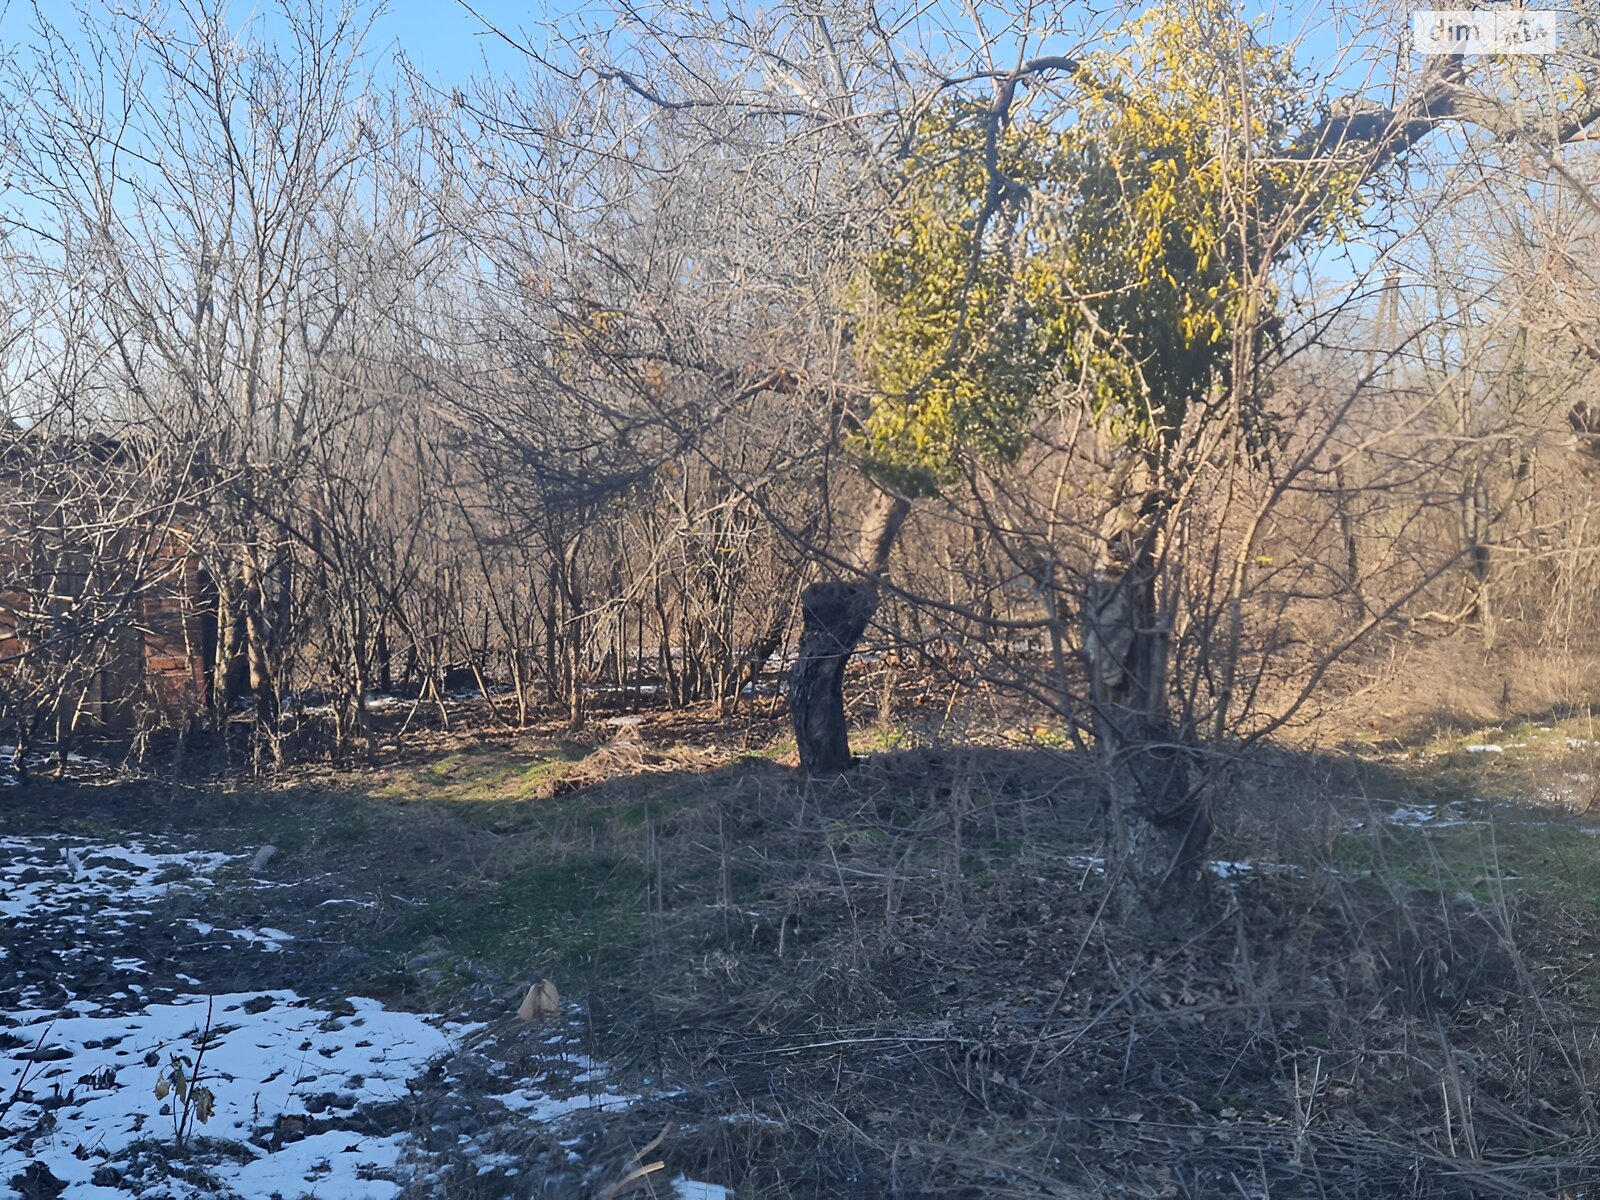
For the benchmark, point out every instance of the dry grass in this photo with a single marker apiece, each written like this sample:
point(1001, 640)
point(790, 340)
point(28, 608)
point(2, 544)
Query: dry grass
point(900, 983)
point(1394, 695)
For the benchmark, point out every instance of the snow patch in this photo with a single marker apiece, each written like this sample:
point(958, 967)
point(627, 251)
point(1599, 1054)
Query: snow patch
point(689, 1189)
point(542, 1104)
point(310, 1098)
point(1432, 816)
point(1224, 869)
point(262, 939)
point(91, 1095)
point(40, 880)
point(333, 1164)
point(1221, 868)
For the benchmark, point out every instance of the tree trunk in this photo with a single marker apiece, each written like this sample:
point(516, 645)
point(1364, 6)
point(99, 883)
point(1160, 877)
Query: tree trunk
point(1352, 548)
point(385, 662)
point(259, 653)
point(1478, 521)
point(1156, 809)
point(835, 614)
point(230, 669)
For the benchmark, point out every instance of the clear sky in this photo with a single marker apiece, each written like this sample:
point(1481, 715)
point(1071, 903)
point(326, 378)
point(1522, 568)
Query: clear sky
point(1345, 41)
point(441, 37)
point(447, 43)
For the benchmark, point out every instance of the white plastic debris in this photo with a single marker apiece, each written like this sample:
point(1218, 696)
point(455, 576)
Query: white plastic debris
point(689, 1189)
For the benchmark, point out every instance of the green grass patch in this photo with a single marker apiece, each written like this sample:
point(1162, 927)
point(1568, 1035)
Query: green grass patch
point(1553, 860)
point(484, 773)
point(571, 920)
point(885, 739)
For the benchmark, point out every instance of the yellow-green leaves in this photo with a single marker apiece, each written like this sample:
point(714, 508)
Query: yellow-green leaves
point(957, 320)
point(1121, 249)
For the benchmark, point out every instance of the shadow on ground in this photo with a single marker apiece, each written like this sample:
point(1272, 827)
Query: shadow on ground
point(901, 982)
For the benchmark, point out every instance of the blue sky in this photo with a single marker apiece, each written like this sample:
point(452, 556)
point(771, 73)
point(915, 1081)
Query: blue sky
point(440, 36)
point(444, 38)
point(447, 42)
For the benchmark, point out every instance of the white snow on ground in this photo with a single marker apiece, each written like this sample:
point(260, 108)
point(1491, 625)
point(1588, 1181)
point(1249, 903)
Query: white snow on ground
point(77, 1083)
point(79, 765)
point(262, 939)
point(84, 1106)
point(1221, 868)
point(577, 1070)
point(1485, 748)
point(1433, 816)
point(260, 1064)
point(540, 1105)
point(546, 1108)
point(1577, 796)
point(115, 882)
point(326, 1164)
point(689, 1189)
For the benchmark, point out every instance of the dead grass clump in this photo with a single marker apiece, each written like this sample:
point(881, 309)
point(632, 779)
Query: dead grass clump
point(1449, 684)
point(626, 755)
point(901, 984)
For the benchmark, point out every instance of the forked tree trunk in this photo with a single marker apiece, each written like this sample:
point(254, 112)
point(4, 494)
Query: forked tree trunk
point(835, 614)
point(1156, 808)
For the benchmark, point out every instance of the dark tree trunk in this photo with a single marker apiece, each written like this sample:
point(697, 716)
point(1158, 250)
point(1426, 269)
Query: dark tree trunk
point(835, 615)
point(230, 661)
point(1352, 547)
point(380, 651)
point(1156, 807)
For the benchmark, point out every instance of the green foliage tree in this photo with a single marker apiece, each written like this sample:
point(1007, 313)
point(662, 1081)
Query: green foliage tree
point(1116, 253)
point(1122, 249)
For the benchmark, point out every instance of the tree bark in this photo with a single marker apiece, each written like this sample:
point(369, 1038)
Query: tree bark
point(1156, 808)
point(835, 613)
